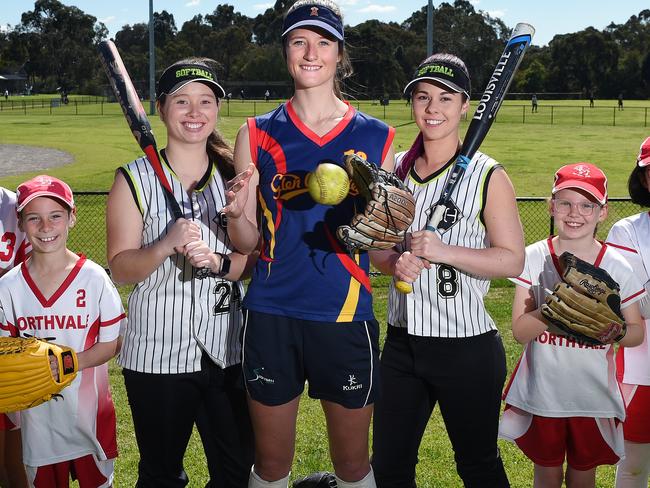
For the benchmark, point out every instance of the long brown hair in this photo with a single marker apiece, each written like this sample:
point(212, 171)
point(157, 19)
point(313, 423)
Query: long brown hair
point(216, 146)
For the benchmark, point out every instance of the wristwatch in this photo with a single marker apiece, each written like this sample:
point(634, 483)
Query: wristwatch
point(225, 266)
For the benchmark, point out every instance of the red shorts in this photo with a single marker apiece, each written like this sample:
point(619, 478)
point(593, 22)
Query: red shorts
point(549, 440)
point(6, 423)
point(88, 470)
point(637, 405)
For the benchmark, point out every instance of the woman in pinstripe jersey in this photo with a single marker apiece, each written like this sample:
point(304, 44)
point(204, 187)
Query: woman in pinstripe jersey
point(181, 353)
point(442, 346)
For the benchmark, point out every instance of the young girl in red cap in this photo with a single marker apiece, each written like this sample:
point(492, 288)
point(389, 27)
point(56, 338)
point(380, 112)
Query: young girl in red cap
point(563, 402)
point(631, 237)
point(73, 436)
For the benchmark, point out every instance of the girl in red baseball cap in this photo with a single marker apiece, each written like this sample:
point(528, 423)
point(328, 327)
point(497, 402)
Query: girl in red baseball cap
point(630, 236)
point(58, 295)
point(562, 402)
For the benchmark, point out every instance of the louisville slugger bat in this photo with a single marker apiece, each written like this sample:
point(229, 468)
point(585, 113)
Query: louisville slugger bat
point(136, 118)
point(481, 122)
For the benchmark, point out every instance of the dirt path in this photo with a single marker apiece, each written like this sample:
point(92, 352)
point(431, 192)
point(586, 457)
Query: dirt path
point(16, 159)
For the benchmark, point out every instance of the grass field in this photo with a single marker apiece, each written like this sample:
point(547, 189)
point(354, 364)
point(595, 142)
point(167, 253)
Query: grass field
point(530, 152)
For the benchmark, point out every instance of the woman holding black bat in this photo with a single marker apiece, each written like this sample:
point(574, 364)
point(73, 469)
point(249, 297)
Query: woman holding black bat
point(181, 352)
point(442, 346)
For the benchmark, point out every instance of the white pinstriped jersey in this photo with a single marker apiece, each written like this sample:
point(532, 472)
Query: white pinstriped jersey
point(85, 310)
point(13, 245)
point(447, 302)
point(631, 237)
point(173, 317)
point(540, 384)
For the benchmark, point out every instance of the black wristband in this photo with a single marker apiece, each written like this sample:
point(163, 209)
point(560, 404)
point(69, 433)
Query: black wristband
point(224, 269)
point(225, 265)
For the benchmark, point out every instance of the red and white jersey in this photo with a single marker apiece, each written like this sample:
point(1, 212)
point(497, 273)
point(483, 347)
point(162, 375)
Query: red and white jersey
point(558, 376)
point(631, 237)
point(85, 310)
point(13, 244)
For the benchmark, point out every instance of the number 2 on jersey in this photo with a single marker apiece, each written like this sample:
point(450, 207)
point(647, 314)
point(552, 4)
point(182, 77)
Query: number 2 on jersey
point(225, 293)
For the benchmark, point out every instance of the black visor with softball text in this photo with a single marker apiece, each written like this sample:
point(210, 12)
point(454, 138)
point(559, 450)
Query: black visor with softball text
point(441, 72)
point(177, 76)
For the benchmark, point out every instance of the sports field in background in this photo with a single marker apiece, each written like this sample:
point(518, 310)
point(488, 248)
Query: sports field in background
point(529, 151)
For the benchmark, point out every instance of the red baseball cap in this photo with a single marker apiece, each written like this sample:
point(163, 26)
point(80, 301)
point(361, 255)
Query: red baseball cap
point(643, 159)
point(584, 176)
point(43, 186)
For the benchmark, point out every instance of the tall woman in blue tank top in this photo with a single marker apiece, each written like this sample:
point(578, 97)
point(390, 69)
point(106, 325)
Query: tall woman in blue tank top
point(308, 309)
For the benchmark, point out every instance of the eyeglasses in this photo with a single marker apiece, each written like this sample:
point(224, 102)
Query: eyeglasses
point(563, 207)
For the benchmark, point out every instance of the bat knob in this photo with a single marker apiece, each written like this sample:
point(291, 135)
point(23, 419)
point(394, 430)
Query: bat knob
point(403, 287)
point(202, 273)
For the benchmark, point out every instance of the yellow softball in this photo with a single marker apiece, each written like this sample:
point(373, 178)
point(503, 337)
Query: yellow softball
point(328, 184)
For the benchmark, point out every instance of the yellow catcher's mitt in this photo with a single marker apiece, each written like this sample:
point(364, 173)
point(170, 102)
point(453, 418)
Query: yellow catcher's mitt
point(25, 375)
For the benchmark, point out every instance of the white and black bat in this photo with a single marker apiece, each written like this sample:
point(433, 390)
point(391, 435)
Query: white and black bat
point(486, 111)
point(136, 118)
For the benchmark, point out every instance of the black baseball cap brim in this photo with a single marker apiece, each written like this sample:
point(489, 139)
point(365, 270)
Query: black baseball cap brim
point(452, 86)
point(443, 73)
point(177, 76)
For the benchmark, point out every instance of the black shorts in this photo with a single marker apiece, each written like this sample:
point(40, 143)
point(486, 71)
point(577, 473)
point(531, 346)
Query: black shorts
point(338, 359)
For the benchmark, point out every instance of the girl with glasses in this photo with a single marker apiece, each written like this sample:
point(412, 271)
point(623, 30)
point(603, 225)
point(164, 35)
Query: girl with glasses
point(562, 402)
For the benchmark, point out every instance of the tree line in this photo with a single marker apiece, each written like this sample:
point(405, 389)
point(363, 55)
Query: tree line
point(55, 45)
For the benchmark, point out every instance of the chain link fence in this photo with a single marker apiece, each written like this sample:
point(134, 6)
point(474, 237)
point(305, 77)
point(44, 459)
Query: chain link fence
point(89, 235)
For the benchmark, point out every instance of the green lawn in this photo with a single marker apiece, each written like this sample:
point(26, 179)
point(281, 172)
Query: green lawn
point(100, 141)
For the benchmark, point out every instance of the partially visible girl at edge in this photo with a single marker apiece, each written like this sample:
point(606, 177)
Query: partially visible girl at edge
point(631, 237)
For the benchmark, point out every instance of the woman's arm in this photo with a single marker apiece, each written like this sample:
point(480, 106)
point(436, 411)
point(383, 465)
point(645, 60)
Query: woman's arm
point(389, 161)
point(504, 257)
point(405, 266)
point(128, 261)
point(200, 255)
point(241, 198)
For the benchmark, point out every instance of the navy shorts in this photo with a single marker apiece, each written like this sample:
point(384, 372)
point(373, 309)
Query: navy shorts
point(339, 360)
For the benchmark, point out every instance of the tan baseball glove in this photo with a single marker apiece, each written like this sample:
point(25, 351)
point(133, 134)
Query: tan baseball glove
point(389, 210)
point(586, 304)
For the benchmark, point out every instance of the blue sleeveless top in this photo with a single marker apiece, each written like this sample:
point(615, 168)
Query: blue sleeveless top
point(304, 271)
